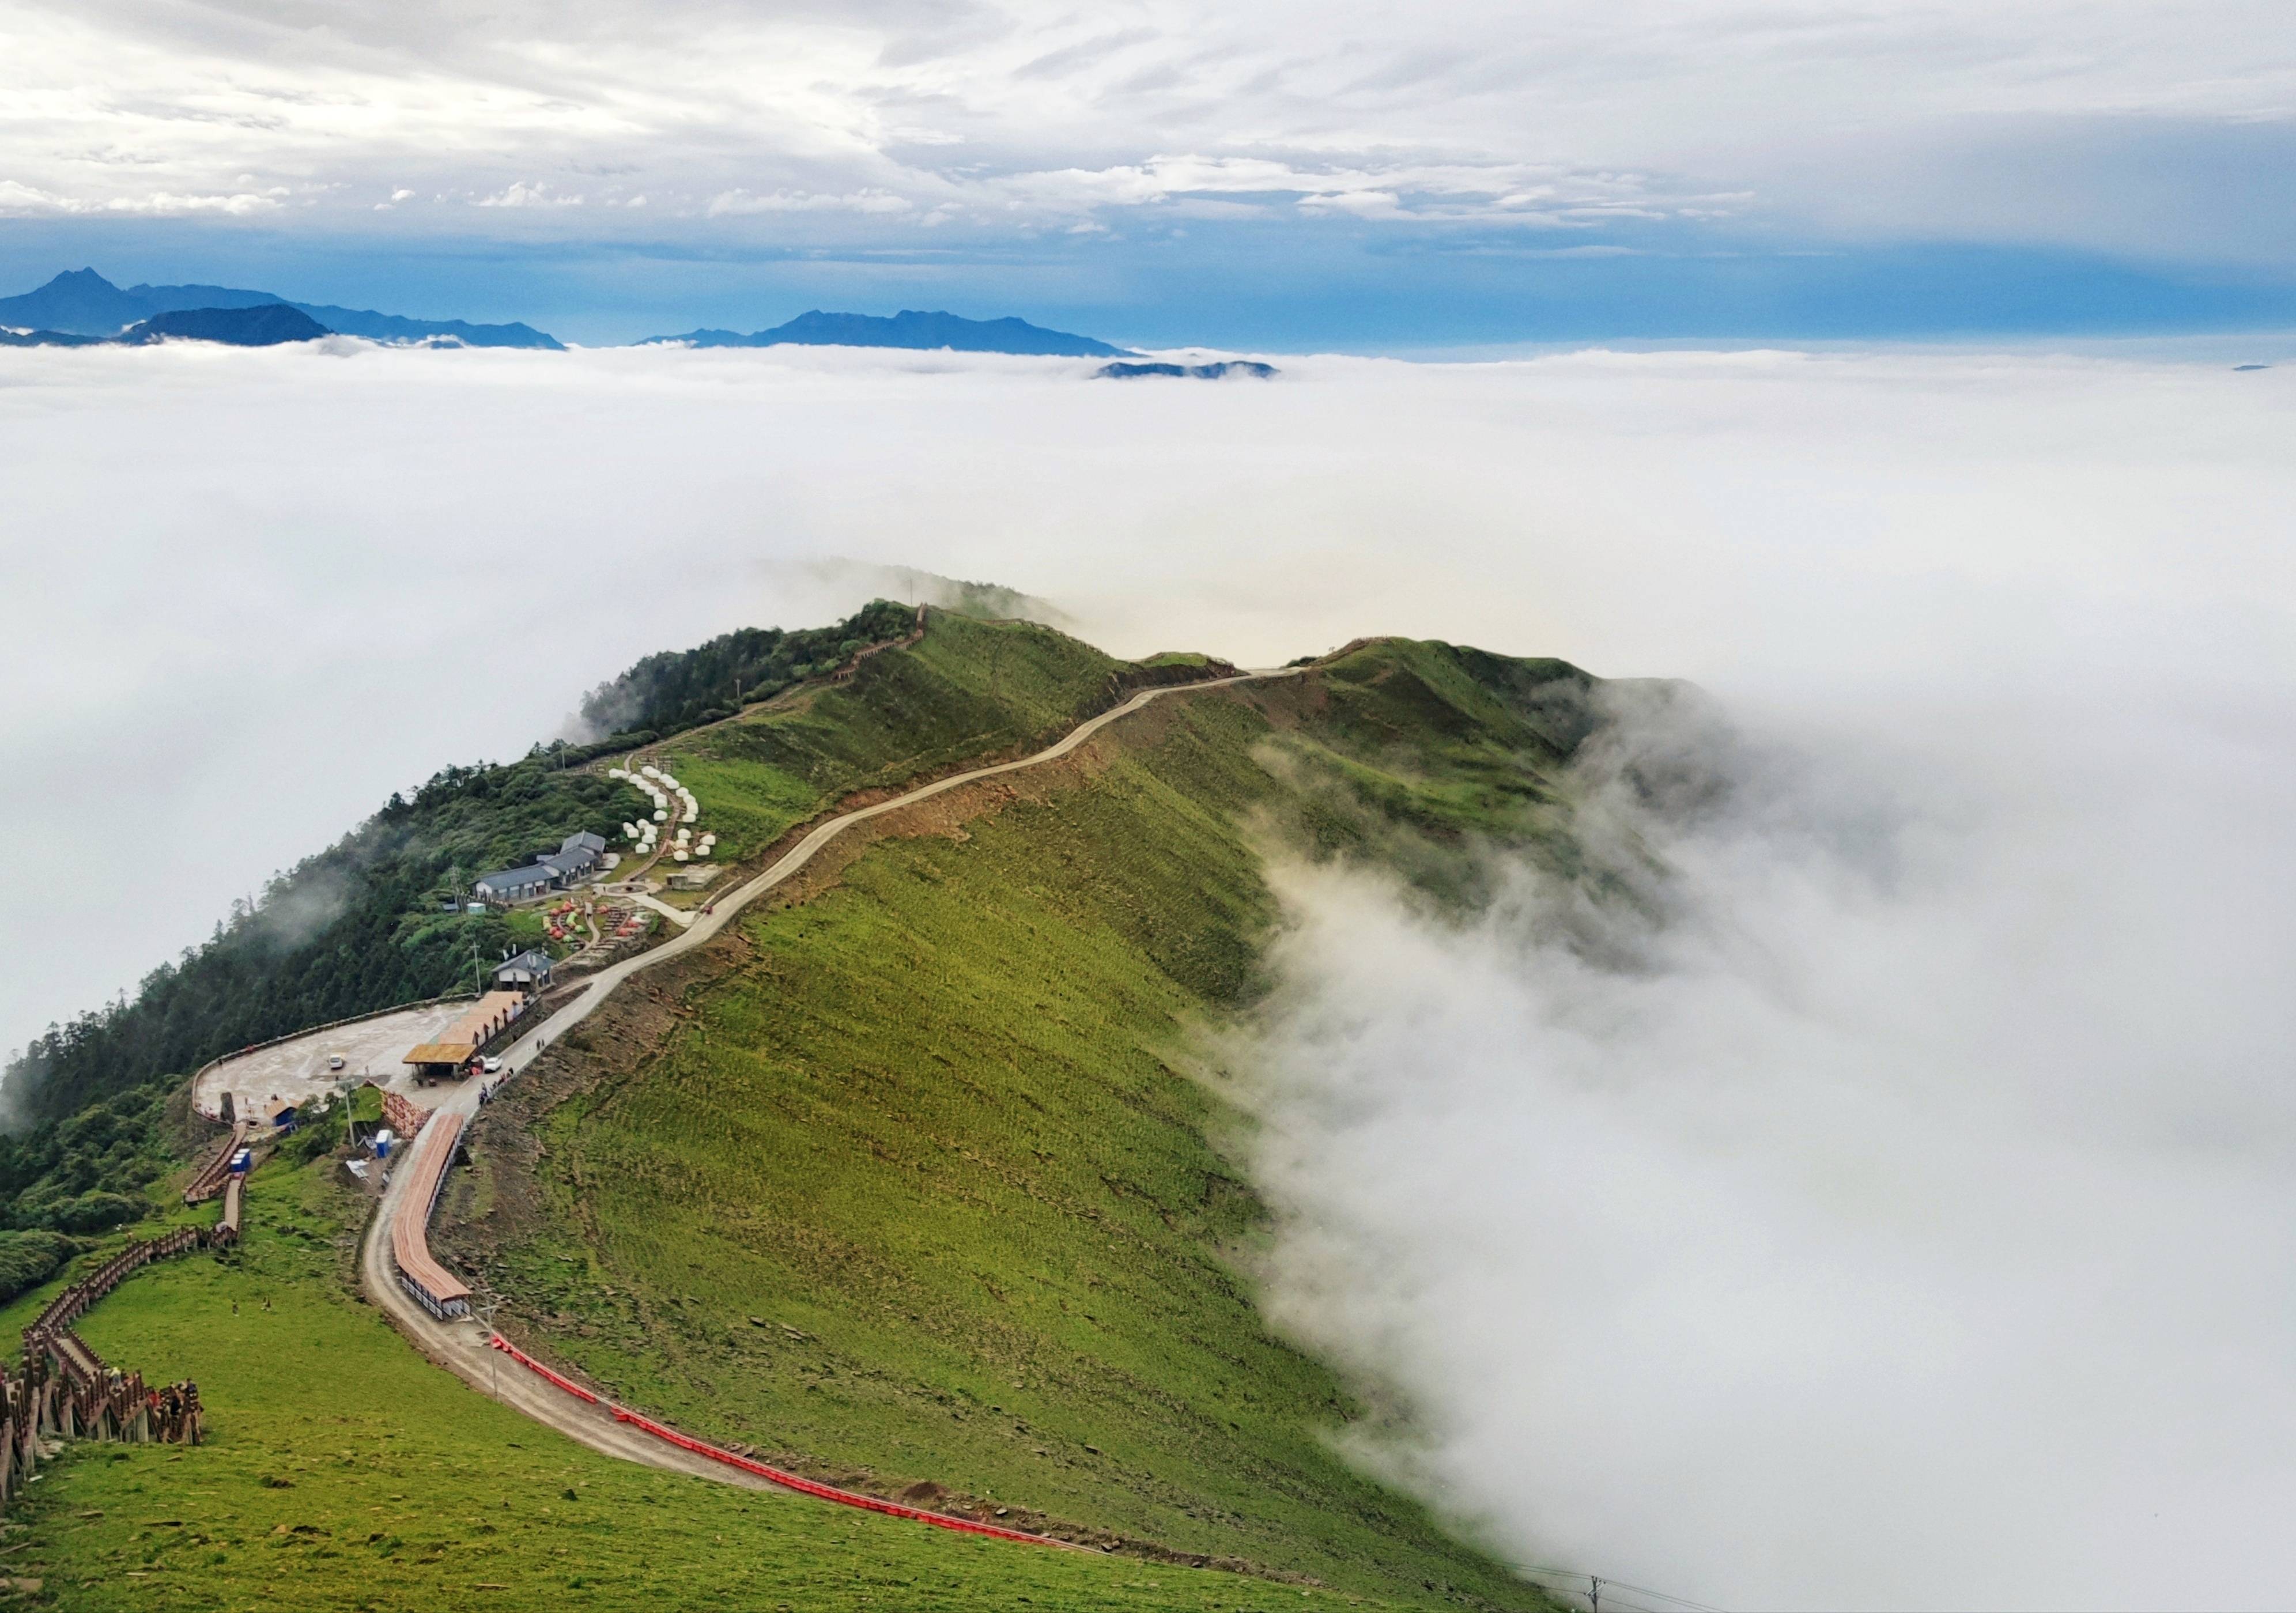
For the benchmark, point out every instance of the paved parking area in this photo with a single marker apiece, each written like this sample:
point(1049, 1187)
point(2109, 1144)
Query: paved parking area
point(297, 1069)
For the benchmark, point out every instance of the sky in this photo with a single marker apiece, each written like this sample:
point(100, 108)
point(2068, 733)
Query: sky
point(1359, 176)
point(1896, 1221)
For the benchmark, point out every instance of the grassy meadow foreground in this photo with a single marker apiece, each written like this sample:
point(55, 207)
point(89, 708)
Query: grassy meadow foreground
point(929, 1176)
point(344, 1473)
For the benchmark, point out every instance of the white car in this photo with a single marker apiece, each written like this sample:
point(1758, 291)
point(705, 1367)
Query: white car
point(493, 1066)
point(334, 1062)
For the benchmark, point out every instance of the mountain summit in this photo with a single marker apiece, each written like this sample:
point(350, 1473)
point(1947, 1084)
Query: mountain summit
point(266, 324)
point(912, 330)
point(82, 302)
point(78, 302)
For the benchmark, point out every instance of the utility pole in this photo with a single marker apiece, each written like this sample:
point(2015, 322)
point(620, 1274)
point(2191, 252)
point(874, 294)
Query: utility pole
point(1594, 1593)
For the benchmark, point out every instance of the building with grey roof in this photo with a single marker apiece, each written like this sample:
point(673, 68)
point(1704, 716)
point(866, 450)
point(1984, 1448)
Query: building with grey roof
point(516, 884)
point(529, 973)
point(577, 855)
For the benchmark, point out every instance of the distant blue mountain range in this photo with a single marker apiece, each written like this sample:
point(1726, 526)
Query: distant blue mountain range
point(1221, 370)
point(910, 329)
point(81, 302)
point(266, 324)
point(80, 305)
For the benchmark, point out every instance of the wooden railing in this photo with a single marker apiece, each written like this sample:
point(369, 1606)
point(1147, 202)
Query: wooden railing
point(208, 1183)
point(65, 1390)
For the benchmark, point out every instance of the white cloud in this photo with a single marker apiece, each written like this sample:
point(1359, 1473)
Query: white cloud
point(520, 195)
point(22, 200)
point(1860, 115)
point(786, 202)
point(18, 199)
point(1893, 1226)
point(1256, 185)
point(1907, 1224)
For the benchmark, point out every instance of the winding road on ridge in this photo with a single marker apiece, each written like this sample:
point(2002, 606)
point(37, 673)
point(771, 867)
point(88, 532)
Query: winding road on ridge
point(462, 1346)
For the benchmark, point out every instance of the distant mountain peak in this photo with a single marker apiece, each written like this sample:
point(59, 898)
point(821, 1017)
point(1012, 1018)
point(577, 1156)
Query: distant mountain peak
point(265, 325)
point(914, 330)
point(82, 302)
point(1220, 371)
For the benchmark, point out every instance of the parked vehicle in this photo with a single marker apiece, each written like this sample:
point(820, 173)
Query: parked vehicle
point(334, 1060)
point(493, 1066)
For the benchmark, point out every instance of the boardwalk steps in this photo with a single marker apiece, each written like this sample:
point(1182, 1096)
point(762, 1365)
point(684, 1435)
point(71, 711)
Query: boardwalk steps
point(64, 1390)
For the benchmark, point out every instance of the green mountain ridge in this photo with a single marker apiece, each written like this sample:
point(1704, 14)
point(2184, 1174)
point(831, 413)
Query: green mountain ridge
point(930, 1175)
point(360, 926)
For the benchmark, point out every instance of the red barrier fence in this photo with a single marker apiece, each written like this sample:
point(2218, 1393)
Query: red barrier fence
point(536, 1367)
point(780, 1476)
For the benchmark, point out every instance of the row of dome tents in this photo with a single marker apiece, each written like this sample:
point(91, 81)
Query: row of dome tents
point(641, 832)
point(659, 788)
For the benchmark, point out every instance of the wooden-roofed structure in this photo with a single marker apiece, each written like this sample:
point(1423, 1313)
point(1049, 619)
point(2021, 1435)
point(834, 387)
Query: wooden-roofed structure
point(434, 1288)
point(447, 1055)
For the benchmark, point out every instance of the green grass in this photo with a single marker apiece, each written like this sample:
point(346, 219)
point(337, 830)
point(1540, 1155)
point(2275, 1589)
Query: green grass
point(343, 1472)
point(932, 1133)
point(968, 689)
point(944, 1132)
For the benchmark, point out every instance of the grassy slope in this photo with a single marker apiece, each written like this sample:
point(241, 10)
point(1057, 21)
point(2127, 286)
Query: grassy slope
point(346, 1473)
point(968, 689)
point(1031, 1183)
point(932, 1124)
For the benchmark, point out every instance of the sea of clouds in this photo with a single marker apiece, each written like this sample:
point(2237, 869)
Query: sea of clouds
point(1897, 1218)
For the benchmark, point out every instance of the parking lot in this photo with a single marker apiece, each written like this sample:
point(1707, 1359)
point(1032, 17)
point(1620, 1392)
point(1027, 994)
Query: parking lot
point(298, 1069)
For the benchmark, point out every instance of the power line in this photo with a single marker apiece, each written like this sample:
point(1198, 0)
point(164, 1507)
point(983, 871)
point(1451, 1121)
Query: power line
point(1600, 1591)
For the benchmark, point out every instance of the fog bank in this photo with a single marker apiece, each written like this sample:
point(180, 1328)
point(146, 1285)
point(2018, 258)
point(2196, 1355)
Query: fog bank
point(1904, 1229)
point(1898, 1221)
point(252, 592)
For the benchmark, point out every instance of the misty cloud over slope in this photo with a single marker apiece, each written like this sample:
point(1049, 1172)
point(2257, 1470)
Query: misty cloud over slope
point(1891, 1215)
point(1901, 1227)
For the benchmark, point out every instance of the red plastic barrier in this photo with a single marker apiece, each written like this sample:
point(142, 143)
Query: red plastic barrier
point(787, 1480)
point(532, 1365)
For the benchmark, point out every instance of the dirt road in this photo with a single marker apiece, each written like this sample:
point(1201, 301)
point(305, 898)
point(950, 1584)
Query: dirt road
point(461, 1346)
